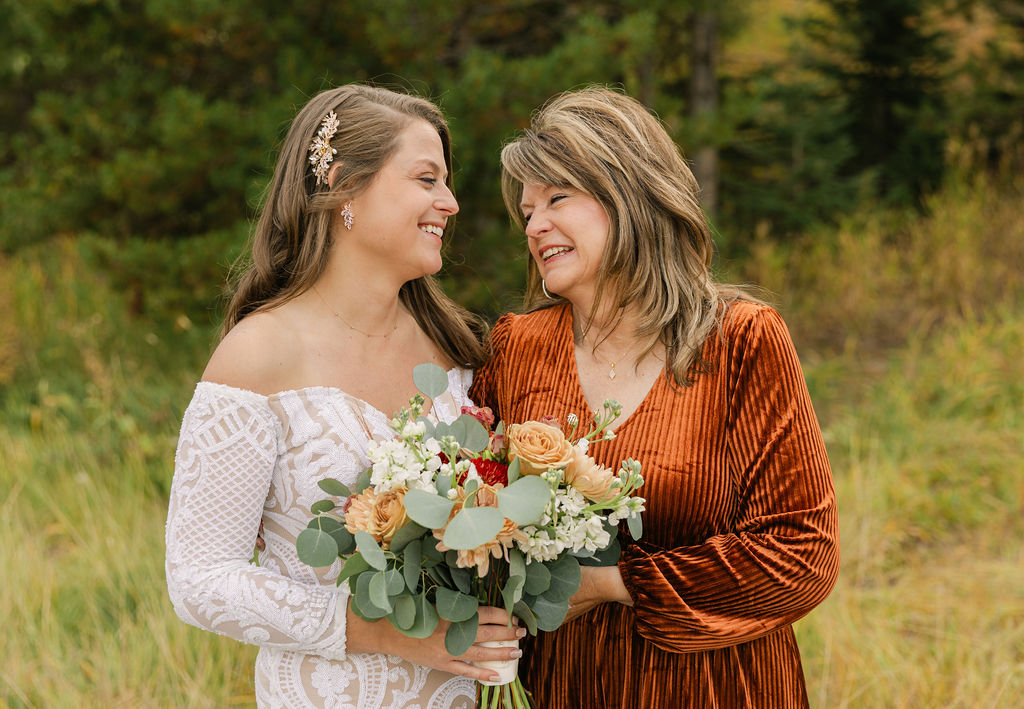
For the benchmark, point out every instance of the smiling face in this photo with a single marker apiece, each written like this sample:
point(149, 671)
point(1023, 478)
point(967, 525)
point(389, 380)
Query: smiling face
point(566, 231)
point(399, 219)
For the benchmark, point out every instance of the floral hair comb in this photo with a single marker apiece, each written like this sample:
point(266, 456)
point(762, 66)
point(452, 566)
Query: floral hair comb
point(320, 151)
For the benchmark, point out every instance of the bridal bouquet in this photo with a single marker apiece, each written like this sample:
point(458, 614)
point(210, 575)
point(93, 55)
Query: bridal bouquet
point(452, 516)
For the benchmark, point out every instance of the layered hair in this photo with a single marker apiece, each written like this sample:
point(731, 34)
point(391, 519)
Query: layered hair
point(292, 238)
point(657, 260)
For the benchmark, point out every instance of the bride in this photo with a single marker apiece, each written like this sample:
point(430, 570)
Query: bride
point(319, 345)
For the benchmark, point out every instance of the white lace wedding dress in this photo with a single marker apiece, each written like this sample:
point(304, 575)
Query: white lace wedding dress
point(243, 458)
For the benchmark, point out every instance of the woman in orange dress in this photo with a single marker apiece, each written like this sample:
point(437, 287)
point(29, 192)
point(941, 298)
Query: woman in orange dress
point(740, 531)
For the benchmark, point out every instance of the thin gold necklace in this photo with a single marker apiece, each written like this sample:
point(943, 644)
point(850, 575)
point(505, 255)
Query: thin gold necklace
point(350, 325)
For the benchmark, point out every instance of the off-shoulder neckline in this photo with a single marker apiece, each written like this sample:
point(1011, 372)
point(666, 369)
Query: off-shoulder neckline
point(316, 389)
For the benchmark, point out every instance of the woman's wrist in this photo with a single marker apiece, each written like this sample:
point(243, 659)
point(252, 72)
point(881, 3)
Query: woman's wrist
point(363, 636)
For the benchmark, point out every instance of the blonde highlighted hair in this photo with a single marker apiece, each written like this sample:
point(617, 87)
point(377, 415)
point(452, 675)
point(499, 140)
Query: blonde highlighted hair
point(657, 260)
point(291, 241)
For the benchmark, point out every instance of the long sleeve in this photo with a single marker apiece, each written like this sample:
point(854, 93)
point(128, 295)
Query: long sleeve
point(780, 557)
point(224, 468)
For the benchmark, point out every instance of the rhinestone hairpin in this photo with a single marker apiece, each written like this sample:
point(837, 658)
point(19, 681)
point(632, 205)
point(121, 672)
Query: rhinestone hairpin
point(320, 151)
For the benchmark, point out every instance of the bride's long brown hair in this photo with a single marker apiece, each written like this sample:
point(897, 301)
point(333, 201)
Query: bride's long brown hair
point(291, 241)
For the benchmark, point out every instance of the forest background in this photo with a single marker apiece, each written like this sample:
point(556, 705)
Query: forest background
point(860, 160)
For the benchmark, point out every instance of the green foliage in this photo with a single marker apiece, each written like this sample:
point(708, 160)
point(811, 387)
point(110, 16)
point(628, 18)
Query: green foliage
point(888, 65)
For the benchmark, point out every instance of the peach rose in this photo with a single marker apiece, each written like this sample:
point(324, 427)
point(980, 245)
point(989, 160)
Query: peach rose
point(592, 480)
point(381, 516)
point(538, 447)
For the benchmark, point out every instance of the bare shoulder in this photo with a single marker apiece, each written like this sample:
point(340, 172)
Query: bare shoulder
point(257, 354)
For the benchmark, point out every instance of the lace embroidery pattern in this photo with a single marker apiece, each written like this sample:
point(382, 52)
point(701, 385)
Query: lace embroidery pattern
point(244, 458)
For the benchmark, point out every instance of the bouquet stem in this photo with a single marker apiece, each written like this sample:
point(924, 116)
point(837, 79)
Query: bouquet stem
point(504, 696)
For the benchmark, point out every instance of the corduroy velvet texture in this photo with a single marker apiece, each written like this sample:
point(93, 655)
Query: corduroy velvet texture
point(740, 532)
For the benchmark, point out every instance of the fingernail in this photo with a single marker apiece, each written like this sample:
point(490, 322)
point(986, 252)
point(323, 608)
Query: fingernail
point(516, 654)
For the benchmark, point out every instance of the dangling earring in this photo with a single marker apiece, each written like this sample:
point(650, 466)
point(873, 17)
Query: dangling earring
point(544, 287)
point(348, 216)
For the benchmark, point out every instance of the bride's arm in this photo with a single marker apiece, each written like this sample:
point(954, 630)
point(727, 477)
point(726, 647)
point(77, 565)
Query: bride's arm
point(223, 467)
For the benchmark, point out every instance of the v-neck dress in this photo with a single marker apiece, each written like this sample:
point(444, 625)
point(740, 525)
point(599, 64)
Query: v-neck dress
point(244, 458)
point(740, 529)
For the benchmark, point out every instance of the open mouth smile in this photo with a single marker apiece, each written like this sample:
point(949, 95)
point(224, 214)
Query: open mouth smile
point(549, 253)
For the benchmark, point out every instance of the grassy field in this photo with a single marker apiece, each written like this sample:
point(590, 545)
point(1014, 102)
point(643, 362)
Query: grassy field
point(911, 330)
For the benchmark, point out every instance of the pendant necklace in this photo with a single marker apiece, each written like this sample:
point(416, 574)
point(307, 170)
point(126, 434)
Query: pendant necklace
point(350, 325)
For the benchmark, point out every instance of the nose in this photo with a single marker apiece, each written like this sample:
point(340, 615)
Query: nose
point(538, 225)
point(446, 203)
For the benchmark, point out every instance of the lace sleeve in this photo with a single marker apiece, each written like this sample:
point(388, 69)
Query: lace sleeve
point(223, 471)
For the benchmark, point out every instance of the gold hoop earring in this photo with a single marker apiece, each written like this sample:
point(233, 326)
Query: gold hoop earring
point(544, 287)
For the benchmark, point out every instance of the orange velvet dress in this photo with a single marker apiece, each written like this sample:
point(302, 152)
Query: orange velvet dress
point(740, 534)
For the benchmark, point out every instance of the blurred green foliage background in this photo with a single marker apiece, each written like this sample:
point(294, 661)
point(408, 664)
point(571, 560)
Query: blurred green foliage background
point(860, 160)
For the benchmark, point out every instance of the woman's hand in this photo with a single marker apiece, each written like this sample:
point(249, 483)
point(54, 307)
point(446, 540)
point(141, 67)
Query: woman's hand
point(381, 636)
point(598, 584)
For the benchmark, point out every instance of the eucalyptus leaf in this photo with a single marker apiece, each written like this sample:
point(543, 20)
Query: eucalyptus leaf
point(441, 574)
point(363, 481)
point(462, 579)
point(334, 487)
point(431, 553)
point(323, 523)
point(460, 636)
point(454, 606)
point(472, 527)
point(316, 547)
point(370, 550)
point(499, 430)
point(322, 506)
point(442, 429)
point(404, 614)
point(513, 471)
point(550, 614)
point(516, 563)
point(408, 532)
point(430, 379)
point(525, 500)
point(426, 618)
point(427, 509)
point(355, 564)
point(512, 592)
point(636, 525)
point(412, 564)
point(364, 597)
point(471, 486)
point(538, 579)
point(379, 591)
point(470, 433)
point(394, 582)
point(443, 483)
point(346, 542)
point(522, 611)
point(565, 579)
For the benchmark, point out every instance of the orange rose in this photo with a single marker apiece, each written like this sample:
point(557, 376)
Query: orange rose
point(538, 447)
point(592, 480)
point(380, 516)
